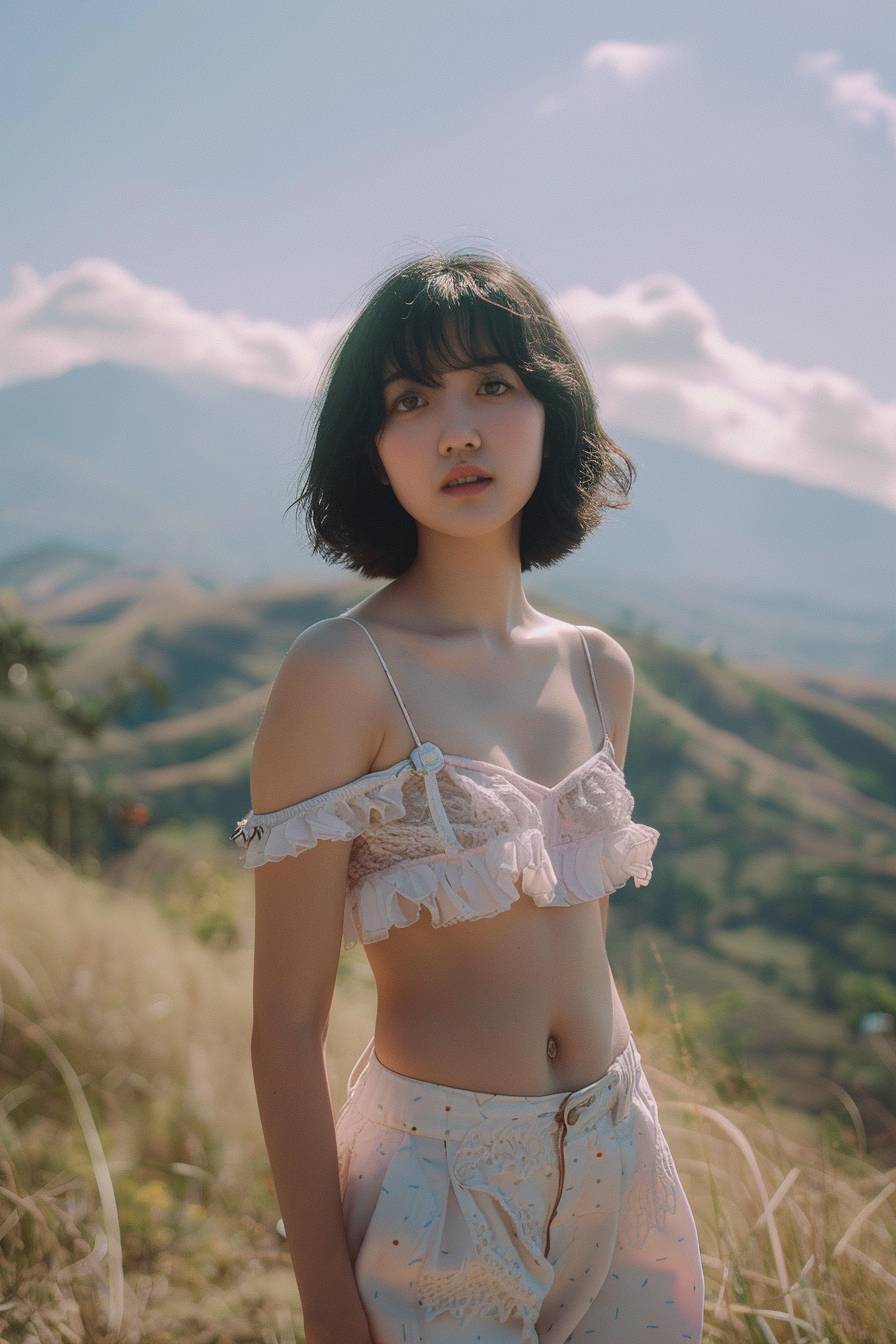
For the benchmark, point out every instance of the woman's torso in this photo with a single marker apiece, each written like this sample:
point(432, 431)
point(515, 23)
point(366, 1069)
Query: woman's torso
point(524, 1002)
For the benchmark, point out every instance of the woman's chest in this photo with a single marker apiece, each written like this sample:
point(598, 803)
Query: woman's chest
point(526, 714)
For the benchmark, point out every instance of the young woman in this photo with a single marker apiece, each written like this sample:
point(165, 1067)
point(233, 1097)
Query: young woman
point(497, 1172)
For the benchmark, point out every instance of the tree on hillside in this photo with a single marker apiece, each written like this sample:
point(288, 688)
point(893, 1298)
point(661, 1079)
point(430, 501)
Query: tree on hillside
point(44, 790)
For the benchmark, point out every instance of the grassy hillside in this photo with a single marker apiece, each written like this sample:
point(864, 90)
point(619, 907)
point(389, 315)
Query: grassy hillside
point(135, 1198)
point(774, 792)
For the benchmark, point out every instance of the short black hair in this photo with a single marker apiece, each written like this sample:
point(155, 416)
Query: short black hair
point(353, 519)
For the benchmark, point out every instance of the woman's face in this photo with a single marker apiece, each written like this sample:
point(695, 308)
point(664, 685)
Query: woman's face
point(483, 416)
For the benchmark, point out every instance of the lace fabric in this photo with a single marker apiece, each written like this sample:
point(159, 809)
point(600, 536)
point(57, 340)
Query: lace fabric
point(476, 812)
point(499, 1279)
point(497, 1276)
point(651, 1176)
point(463, 838)
point(577, 843)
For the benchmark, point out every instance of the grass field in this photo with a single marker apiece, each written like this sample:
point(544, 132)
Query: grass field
point(135, 1198)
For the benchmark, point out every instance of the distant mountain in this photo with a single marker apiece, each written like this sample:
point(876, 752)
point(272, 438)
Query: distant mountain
point(199, 474)
point(196, 473)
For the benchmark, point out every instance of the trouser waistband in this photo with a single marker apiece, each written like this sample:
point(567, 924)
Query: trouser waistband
point(437, 1111)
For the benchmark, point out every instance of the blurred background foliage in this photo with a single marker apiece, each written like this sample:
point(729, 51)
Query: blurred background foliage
point(756, 965)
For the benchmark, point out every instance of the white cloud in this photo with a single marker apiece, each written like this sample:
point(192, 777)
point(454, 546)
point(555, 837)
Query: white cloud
point(630, 61)
point(661, 364)
point(858, 93)
point(96, 310)
point(627, 62)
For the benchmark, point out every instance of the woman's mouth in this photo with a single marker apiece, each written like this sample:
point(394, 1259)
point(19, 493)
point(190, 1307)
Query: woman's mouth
point(468, 487)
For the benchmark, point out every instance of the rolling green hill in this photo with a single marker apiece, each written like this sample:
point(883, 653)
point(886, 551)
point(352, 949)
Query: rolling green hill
point(771, 906)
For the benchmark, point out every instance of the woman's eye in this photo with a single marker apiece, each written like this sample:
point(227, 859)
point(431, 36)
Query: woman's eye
point(486, 382)
point(404, 397)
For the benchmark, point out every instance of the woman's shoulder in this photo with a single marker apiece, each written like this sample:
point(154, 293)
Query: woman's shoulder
point(607, 648)
point(322, 723)
point(614, 673)
point(333, 645)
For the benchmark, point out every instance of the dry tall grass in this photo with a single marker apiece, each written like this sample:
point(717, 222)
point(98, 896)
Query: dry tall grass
point(135, 1198)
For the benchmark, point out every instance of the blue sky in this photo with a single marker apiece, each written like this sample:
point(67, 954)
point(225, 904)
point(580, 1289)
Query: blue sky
point(262, 163)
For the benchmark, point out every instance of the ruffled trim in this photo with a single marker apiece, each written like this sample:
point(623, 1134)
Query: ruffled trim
point(601, 863)
point(268, 837)
point(475, 885)
point(481, 883)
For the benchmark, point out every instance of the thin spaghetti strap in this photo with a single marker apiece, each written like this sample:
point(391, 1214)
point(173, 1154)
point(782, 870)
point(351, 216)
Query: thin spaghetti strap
point(388, 674)
point(600, 708)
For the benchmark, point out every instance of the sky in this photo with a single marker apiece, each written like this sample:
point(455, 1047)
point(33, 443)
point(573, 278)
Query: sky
point(706, 192)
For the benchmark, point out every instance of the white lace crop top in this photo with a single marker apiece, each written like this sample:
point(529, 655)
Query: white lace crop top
point(456, 835)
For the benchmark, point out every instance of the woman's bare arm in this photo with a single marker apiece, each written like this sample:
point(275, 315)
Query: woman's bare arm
point(319, 730)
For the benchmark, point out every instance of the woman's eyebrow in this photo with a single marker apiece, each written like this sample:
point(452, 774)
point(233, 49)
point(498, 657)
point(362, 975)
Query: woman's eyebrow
point(471, 364)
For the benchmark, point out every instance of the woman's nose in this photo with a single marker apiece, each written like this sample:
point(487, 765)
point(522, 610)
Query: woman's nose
point(460, 434)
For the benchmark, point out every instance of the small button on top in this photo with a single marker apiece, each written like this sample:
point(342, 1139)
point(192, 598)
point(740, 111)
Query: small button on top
point(426, 758)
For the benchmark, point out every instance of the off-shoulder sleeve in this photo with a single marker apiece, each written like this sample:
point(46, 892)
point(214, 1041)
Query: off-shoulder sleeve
point(338, 814)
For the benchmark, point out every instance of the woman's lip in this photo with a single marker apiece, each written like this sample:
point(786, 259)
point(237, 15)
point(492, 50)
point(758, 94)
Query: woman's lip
point(480, 480)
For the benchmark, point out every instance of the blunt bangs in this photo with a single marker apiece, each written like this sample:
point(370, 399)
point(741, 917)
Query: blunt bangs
point(450, 332)
point(448, 312)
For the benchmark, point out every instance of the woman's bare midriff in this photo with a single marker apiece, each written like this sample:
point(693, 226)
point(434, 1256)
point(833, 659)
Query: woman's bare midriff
point(523, 1002)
